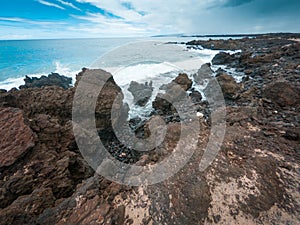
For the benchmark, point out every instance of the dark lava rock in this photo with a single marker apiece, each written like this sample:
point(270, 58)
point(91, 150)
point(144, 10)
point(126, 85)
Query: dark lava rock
point(282, 93)
point(141, 92)
point(174, 92)
point(292, 134)
point(223, 58)
point(20, 138)
point(196, 96)
point(183, 80)
point(53, 79)
point(216, 44)
point(229, 86)
point(205, 72)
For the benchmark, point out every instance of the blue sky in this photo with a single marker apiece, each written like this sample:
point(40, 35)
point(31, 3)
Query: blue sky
point(30, 19)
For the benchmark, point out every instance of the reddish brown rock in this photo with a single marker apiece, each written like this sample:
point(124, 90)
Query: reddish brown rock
point(223, 58)
point(16, 137)
point(229, 86)
point(183, 80)
point(25, 209)
point(175, 91)
point(282, 93)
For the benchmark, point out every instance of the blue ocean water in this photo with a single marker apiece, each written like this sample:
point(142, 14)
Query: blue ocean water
point(128, 59)
point(66, 56)
point(20, 58)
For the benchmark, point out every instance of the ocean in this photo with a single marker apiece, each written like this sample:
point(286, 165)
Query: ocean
point(128, 59)
point(67, 56)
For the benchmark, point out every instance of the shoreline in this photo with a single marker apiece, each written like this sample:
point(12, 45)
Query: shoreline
point(252, 180)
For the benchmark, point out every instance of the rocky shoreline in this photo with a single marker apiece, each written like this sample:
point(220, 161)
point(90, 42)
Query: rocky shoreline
point(253, 180)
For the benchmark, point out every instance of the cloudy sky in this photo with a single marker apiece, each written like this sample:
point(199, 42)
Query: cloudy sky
point(30, 19)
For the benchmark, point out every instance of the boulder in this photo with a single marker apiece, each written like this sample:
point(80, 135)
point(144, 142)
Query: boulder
point(183, 80)
point(282, 93)
point(141, 92)
point(223, 58)
point(109, 103)
point(196, 96)
point(205, 72)
point(16, 137)
point(53, 79)
point(174, 92)
point(229, 86)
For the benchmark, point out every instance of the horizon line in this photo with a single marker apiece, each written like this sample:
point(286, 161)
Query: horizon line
point(161, 35)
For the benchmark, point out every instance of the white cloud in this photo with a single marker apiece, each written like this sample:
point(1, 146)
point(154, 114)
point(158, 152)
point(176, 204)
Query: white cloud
point(152, 17)
point(69, 4)
point(15, 37)
point(166, 16)
point(51, 4)
point(27, 21)
point(12, 19)
point(104, 26)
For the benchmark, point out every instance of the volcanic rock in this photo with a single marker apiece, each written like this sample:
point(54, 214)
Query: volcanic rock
point(223, 58)
point(53, 79)
point(229, 86)
point(141, 92)
point(175, 91)
point(20, 138)
point(282, 93)
point(205, 72)
point(183, 80)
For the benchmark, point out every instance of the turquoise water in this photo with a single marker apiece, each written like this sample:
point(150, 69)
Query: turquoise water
point(27, 57)
point(67, 56)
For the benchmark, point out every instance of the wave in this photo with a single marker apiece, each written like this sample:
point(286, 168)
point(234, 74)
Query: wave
point(10, 83)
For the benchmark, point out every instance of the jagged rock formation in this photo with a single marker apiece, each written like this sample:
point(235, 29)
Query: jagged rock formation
point(254, 178)
point(53, 79)
point(141, 92)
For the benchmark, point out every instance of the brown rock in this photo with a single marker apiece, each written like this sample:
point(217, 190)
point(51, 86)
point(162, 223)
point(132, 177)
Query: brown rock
point(205, 72)
point(25, 209)
point(174, 93)
point(229, 87)
point(141, 92)
point(183, 80)
point(282, 93)
point(16, 137)
point(223, 58)
point(110, 97)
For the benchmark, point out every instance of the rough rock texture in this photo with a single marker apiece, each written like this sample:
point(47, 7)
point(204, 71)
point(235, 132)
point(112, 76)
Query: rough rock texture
point(183, 80)
point(141, 92)
point(16, 137)
point(282, 93)
point(205, 72)
point(175, 91)
point(254, 178)
point(222, 58)
point(229, 86)
point(53, 79)
point(108, 98)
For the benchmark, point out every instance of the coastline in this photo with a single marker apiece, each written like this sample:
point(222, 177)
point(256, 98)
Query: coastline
point(253, 179)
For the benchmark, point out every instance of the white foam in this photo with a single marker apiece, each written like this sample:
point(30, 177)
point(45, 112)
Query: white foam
point(140, 72)
point(11, 83)
point(157, 73)
point(238, 76)
point(66, 71)
point(160, 74)
point(59, 68)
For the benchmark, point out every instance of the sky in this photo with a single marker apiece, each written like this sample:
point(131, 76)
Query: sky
point(35, 19)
